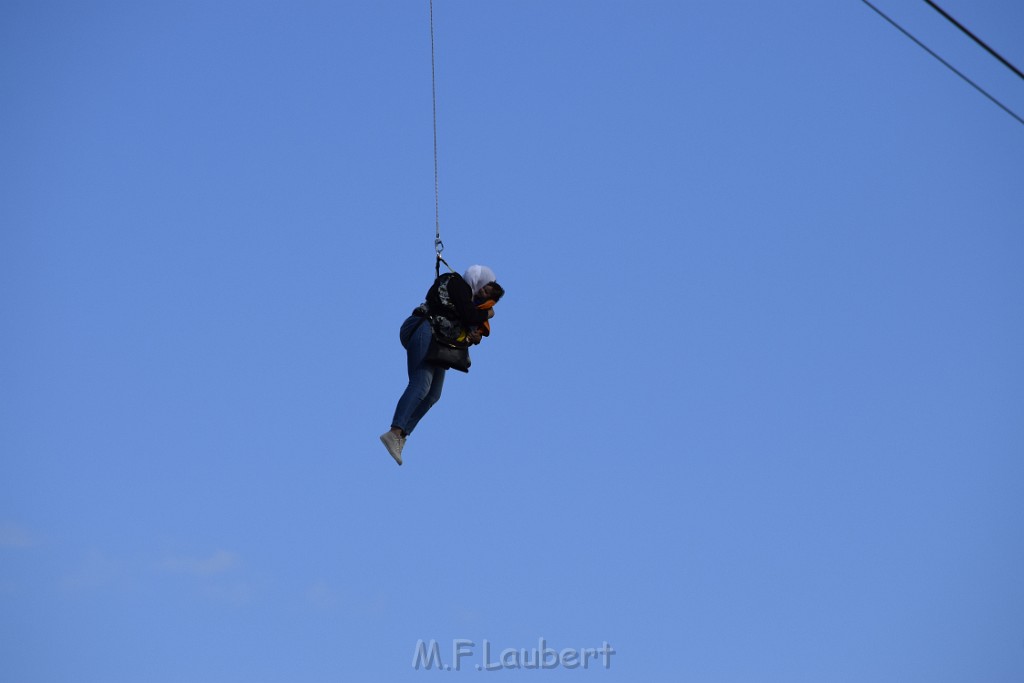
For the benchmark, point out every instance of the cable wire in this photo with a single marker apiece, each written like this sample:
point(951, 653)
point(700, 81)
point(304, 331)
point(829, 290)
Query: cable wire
point(945, 63)
point(438, 244)
point(433, 99)
point(975, 38)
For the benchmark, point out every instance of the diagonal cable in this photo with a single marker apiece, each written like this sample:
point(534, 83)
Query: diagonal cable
point(945, 63)
point(975, 38)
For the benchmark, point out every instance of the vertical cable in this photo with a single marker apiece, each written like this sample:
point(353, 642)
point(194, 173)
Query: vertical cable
point(438, 244)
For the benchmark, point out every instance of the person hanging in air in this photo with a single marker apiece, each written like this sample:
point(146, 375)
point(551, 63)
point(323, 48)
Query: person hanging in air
point(456, 312)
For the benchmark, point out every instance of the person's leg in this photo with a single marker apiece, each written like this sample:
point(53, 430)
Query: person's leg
point(415, 336)
point(431, 397)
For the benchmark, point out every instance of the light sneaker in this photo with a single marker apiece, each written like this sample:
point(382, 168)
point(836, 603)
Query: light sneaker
point(394, 444)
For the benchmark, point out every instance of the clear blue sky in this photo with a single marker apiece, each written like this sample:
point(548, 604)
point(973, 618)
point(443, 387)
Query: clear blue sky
point(753, 408)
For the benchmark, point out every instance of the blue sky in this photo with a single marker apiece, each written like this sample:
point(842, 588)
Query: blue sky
point(751, 410)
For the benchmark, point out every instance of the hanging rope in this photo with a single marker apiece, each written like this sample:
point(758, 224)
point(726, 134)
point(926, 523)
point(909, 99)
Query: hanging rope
point(438, 244)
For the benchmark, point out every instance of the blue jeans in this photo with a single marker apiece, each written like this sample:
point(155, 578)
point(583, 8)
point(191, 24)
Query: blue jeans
point(425, 380)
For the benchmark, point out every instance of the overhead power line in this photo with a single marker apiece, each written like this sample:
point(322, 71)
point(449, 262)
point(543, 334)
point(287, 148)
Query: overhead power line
point(945, 63)
point(975, 38)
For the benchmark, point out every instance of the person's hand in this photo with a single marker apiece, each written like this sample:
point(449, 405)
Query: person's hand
point(490, 313)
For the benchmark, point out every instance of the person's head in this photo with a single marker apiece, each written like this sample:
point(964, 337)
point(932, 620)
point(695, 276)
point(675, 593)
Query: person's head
point(478, 277)
point(492, 290)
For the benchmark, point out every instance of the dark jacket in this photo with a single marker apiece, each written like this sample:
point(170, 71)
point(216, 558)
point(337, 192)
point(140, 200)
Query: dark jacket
point(451, 309)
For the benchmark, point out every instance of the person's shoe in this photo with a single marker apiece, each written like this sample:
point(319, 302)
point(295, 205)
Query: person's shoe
point(394, 444)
